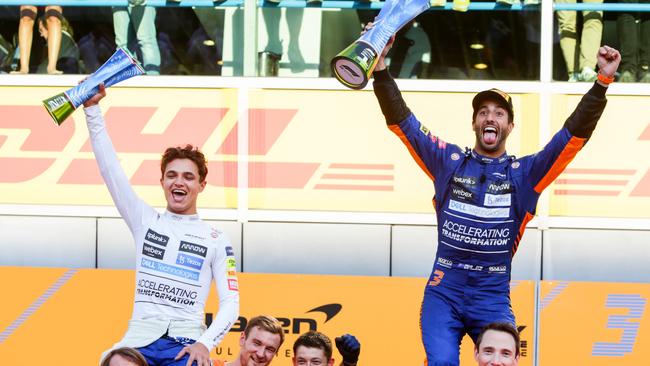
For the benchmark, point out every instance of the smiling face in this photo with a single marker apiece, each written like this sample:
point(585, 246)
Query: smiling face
point(258, 348)
point(492, 125)
point(311, 356)
point(181, 184)
point(497, 348)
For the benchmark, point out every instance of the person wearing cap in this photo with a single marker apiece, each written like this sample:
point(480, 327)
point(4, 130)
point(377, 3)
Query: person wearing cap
point(483, 199)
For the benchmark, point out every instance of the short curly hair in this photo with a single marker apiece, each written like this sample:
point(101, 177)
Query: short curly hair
point(187, 152)
point(314, 339)
point(266, 323)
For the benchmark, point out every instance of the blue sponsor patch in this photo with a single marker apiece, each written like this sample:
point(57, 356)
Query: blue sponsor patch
point(172, 270)
point(189, 261)
point(229, 251)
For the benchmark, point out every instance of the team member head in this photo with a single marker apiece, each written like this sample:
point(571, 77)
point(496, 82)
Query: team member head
point(312, 349)
point(125, 356)
point(497, 345)
point(183, 177)
point(492, 121)
point(260, 341)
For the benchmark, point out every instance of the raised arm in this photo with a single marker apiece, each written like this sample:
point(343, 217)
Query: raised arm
point(349, 348)
point(388, 95)
point(549, 163)
point(582, 121)
point(127, 202)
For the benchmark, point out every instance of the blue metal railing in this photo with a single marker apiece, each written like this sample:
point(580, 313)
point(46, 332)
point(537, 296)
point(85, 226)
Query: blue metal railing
point(329, 4)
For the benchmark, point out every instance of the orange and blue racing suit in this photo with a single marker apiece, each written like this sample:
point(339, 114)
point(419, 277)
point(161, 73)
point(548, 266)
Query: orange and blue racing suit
point(482, 207)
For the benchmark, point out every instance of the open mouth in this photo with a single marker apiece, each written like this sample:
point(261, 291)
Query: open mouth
point(178, 194)
point(490, 135)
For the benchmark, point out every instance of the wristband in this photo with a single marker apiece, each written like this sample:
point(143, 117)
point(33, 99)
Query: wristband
point(605, 79)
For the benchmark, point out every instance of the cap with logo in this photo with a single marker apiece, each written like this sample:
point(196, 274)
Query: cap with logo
point(494, 94)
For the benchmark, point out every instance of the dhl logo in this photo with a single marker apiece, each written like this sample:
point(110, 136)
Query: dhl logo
point(605, 182)
point(30, 146)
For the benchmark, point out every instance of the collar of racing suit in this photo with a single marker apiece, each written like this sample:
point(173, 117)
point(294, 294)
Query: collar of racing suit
point(487, 160)
point(182, 218)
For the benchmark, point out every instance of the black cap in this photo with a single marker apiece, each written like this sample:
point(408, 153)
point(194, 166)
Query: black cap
point(494, 94)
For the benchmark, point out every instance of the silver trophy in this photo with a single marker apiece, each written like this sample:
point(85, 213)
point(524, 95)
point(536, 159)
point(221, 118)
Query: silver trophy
point(354, 65)
point(119, 67)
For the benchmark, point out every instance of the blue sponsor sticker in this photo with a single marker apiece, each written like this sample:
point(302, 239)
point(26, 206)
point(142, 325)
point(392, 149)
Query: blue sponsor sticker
point(229, 251)
point(172, 270)
point(189, 261)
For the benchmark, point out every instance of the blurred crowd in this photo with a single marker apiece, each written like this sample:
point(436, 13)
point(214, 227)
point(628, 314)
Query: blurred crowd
point(456, 44)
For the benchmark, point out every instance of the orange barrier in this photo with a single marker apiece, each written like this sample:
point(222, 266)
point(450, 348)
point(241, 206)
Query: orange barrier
point(87, 311)
point(589, 323)
point(70, 316)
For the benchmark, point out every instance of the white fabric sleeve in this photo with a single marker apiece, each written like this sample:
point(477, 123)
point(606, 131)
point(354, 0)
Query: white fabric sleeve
point(223, 272)
point(127, 202)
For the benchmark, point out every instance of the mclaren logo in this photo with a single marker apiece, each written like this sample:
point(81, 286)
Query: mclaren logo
point(293, 325)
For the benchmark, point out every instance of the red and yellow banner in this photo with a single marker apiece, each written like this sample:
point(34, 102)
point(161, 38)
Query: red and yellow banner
point(611, 176)
point(307, 149)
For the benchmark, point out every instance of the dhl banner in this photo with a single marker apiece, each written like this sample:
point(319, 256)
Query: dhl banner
point(611, 176)
point(307, 149)
point(594, 324)
point(69, 316)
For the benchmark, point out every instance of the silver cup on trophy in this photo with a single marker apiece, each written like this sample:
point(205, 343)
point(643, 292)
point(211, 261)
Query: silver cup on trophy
point(120, 66)
point(354, 65)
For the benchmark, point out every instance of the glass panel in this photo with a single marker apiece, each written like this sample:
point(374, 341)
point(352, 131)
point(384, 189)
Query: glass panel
point(169, 40)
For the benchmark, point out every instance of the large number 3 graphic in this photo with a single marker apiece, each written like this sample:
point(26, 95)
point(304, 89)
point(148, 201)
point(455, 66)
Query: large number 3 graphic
point(636, 304)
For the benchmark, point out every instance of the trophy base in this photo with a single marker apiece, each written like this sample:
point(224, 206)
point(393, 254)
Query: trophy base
point(354, 65)
point(59, 107)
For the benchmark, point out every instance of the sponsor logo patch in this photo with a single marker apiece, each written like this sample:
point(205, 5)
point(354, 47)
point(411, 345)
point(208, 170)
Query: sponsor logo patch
point(469, 267)
point(462, 194)
point(153, 252)
point(455, 156)
point(500, 269)
point(155, 238)
point(189, 261)
point(172, 270)
point(445, 262)
point(193, 248)
point(233, 284)
point(493, 200)
point(229, 251)
point(500, 187)
point(231, 264)
point(515, 165)
point(468, 181)
point(479, 211)
point(424, 129)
